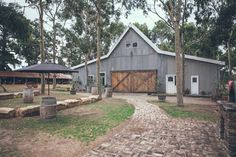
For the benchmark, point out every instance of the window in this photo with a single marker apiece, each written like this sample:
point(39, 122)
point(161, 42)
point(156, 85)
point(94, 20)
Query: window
point(170, 79)
point(135, 44)
point(194, 79)
point(103, 78)
point(90, 80)
point(128, 45)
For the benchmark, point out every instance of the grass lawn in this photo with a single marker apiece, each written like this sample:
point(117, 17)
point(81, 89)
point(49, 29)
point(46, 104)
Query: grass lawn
point(83, 123)
point(194, 111)
point(18, 102)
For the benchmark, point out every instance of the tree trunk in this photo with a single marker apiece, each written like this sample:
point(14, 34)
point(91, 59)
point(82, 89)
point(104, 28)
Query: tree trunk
point(54, 52)
point(42, 53)
point(179, 76)
point(98, 25)
point(229, 59)
point(86, 69)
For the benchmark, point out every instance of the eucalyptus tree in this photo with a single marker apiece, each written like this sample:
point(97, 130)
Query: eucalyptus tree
point(175, 13)
point(92, 15)
point(15, 31)
point(220, 18)
point(40, 5)
point(53, 11)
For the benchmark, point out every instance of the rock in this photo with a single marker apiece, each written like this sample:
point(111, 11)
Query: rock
point(18, 95)
point(6, 112)
point(72, 102)
point(28, 111)
point(61, 105)
point(94, 97)
point(36, 92)
point(4, 96)
point(86, 100)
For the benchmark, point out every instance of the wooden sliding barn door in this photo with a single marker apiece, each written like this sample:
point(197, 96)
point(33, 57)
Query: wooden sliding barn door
point(134, 81)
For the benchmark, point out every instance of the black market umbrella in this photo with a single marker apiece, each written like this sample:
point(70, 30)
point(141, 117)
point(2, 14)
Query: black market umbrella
point(47, 68)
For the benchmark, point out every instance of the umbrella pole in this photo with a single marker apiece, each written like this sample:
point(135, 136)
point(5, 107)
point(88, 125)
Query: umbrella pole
point(48, 85)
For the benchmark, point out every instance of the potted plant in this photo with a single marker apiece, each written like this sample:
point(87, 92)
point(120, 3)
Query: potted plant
point(160, 94)
point(73, 88)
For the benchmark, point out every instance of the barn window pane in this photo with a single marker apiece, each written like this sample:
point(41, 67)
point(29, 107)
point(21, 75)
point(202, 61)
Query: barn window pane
point(170, 79)
point(90, 80)
point(128, 45)
point(135, 44)
point(194, 79)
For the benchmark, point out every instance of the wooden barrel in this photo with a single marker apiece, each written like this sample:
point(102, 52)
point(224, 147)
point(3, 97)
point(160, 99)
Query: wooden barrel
point(94, 91)
point(28, 95)
point(108, 92)
point(48, 108)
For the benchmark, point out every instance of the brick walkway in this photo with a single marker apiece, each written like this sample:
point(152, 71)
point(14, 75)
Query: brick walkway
point(150, 133)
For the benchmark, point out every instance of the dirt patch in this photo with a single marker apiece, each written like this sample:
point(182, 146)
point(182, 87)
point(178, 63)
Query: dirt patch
point(40, 144)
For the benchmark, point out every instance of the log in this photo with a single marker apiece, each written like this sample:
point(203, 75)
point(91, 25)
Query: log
point(4, 96)
point(72, 102)
point(28, 111)
point(6, 112)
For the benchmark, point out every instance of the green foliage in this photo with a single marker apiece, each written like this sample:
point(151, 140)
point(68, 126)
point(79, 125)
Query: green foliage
point(83, 128)
point(14, 31)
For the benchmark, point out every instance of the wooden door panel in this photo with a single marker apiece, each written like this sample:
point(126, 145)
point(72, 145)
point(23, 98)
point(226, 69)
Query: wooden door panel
point(134, 81)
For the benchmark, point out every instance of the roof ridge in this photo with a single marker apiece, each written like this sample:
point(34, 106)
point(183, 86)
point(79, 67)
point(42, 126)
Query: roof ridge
point(150, 43)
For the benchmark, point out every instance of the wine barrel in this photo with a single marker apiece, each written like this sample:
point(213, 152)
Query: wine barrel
point(48, 108)
point(108, 92)
point(28, 95)
point(94, 91)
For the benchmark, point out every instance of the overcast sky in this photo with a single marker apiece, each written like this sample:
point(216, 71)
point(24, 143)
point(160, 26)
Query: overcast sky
point(136, 16)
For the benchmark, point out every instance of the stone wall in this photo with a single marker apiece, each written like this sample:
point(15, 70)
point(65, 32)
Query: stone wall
point(227, 126)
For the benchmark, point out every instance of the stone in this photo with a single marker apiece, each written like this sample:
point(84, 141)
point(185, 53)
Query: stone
point(5, 96)
point(18, 95)
point(72, 102)
point(61, 105)
point(28, 111)
point(36, 92)
point(86, 101)
point(6, 112)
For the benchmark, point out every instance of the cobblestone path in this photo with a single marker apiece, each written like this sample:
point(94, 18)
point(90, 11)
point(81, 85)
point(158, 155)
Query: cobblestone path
point(150, 133)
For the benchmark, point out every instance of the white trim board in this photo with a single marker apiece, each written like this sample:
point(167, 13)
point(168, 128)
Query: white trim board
point(150, 43)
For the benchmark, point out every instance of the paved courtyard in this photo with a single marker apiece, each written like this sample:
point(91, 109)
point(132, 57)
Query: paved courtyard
point(151, 133)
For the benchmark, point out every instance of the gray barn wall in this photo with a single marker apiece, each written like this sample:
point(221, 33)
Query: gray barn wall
point(145, 58)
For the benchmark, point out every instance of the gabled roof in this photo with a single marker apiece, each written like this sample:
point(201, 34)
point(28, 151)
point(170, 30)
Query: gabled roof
point(150, 43)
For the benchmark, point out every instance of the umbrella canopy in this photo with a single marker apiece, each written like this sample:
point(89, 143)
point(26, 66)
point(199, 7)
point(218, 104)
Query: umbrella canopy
point(47, 68)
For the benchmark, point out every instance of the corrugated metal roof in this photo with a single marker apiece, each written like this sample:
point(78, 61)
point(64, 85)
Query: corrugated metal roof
point(150, 43)
point(31, 75)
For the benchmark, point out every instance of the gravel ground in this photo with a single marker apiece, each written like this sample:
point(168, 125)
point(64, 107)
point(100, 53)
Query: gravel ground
point(151, 133)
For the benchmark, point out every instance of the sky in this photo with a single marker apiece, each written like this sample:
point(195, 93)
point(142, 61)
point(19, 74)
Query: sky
point(135, 16)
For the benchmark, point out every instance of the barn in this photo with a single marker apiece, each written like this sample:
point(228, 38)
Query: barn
point(136, 64)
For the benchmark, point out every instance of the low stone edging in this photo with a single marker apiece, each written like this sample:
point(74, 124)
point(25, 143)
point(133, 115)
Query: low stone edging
point(5, 96)
point(6, 112)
